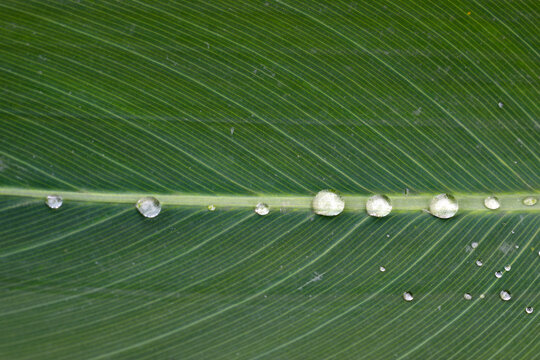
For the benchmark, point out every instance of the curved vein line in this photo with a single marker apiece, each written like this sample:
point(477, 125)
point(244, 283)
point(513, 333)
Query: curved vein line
point(418, 346)
point(47, 242)
point(232, 306)
point(148, 303)
point(193, 157)
point(327, 322)
point(472, 134)
point(334, 284)
point(284, 133)
point(448, 275)
point(38, 170)
point(132, 275)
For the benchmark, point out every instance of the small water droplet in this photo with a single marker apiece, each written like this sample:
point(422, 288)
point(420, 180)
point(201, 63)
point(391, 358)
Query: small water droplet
point(529, 309)
point(505, 295)
point(262, 209)
point(508, 267)
point(474, 245)
point(54, 201)
point(148, 206)
point(443, 206)
point(407, 296)
point(492, 203)
point(382, 268)
point(328, 203)
point(211, 207)
point(530, 201)
point(479, 262)
point(501, 105)
point(482, 296)
point(498, 274)
point(378, 206)
point(467, 296)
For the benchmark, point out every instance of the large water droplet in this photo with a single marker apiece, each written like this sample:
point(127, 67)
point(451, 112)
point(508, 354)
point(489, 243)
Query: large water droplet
point(262, 209)
point(407, 296)
point(443, 206)
point(378, 206)
point(211, 207)
point(530, 201)
point(148, 206)
point(467, 296)
point(492, 203)
point(505, 295)
point(54, 201)
point(508, 267)
point(328, 203)
point(498, 274)
point(529, 309)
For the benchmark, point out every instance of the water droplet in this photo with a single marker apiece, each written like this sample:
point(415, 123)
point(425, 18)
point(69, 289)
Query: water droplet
point(492, 203)
point(479, 262)
point(378, 206)
point(382, 269)
point(508, 267)
point(505, 295)
point(328, 203)
point(498, 274)
point(443, 206)
point(501, 105)
point(482, 296)
point(467, 296)
point(211, 208)
point(529, 309)
point(54, 201)
point(474, 245)
point(530, 201)
point(407, 296)
point(262, 209)
point(148, 206)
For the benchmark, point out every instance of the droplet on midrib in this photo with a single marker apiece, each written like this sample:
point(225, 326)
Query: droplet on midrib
point(328, 203)
point(378, 206)
point(262, 209)
point(505, 295)
point(211, 207)
point(443, 206)
point(148, 206)
point(54, 201)
point(407, 296)
point(492, 203)
point(530, 201)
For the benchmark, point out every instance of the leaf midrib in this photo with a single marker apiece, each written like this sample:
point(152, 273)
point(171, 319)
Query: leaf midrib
point(354, 202)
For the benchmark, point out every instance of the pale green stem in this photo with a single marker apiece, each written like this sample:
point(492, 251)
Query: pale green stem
point(400, 202)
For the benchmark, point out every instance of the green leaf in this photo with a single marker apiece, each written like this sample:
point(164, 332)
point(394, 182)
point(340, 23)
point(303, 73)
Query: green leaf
point(235, 103)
